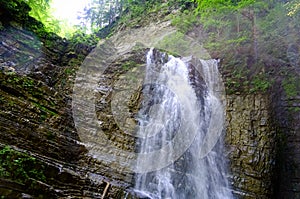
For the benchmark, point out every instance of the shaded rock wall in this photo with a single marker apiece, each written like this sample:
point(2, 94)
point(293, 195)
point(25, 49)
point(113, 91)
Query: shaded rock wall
point(250, 137)
point(287, 119)
point(36, 118)
point(36, 75)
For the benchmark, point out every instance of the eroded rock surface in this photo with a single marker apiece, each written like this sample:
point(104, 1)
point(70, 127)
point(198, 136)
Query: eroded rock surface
point(251, 140)
point(36, 119)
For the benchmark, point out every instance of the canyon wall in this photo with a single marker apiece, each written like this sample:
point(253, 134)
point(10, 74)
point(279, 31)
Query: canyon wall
point(36, 122)
point(250, 137)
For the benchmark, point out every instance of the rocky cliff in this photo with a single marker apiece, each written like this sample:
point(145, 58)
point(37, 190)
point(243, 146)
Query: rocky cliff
point(43, 154)
point(286, 116)
point(251, 139)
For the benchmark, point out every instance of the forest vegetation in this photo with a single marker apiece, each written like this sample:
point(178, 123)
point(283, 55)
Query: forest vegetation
point(256, 40)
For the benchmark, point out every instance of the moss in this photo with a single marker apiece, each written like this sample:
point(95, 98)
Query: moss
point(1, 26)
point(20, 167)
point(23, 81)
point(239, 81)
point(22, 91)
point(260, 83)
point(28, 83)
point(2, 99)
point(69, 71)
point(293, 109)
point(44, 109)
point(291, 86)
point(128, 65)
point(50, 135)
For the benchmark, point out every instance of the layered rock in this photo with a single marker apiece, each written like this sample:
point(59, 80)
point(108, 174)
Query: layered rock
point(36, 119)
point(286, 116)
point(45, 158)
point(251, 139)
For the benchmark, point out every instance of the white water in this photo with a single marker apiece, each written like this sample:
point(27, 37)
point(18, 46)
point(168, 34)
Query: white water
point(189, 122)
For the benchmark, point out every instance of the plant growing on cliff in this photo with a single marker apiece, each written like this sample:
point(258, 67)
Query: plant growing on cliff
point(20, 167)
point(260, 83)
point(185, 21)
point(291, 85)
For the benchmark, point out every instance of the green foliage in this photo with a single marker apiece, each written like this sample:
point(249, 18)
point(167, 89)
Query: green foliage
point(182, 5)
point(128, 65)
point(273, 28)
point(25, 83)
point(20, 10)
point(293, 7)
point(291, 86)
point(45, 111)
point(41, 11)
point(105, 12)
point(135, 10)
point(208, 7)
point(229, 24)
point(240, 82)
point(237, 81)
point(20, 167)
point(28, 83)
point(14, 9)
point(255, 36)
point(185, 21)
point(260, 83)
point(100, 13)
point(80, 37)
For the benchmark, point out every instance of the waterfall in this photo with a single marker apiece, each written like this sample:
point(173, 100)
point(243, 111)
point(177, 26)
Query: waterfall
point(180, 120)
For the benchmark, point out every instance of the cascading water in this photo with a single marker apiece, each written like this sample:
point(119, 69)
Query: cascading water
point(180, 120)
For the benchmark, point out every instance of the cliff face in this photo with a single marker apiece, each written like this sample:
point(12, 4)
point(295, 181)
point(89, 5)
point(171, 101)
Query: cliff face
point(263, 140)
point(41, 153)
point(290, 155)
point(47, 158)
point(251, 139)
point(286, 116)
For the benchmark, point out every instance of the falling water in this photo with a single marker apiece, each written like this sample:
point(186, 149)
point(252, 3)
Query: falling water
point(180, 121)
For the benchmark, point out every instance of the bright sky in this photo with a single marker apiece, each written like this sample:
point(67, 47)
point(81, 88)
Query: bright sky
point(68, 9)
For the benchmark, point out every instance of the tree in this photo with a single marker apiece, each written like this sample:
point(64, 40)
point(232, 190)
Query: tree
point(101, 13)
point(293, 7)
point(41, 11)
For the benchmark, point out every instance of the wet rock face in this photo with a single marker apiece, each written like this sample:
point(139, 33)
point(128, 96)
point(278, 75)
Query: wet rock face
point(36, 117)
point(36, 120)
point(286, 117)
point(36, 75)
point(36, 81)
point(24, 53)
point(251, 140)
